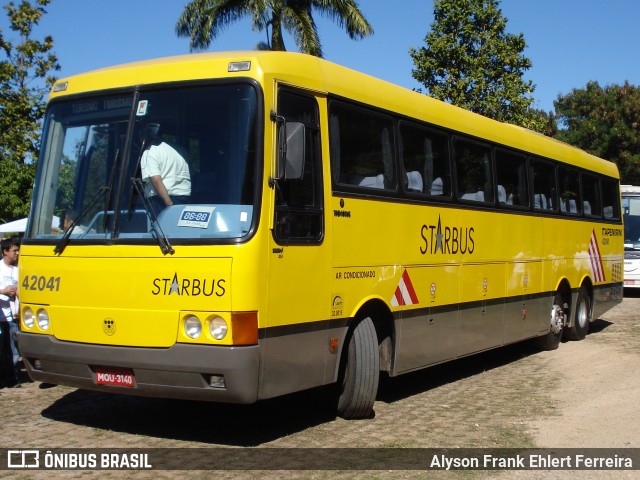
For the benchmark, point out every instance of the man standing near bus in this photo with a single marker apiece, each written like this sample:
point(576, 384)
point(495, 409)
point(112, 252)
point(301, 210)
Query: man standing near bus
point(9, 363)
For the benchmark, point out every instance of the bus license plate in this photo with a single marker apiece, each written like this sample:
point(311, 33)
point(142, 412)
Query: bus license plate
point(114, 376)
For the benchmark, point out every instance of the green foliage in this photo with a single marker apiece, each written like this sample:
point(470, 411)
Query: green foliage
point(64, 196)
point(203, 20)
point(471, 62)
point(24, 82)
point(604, 122)
point(16, 184)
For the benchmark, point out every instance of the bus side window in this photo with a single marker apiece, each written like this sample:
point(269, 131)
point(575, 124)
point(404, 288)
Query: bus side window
point(569, 191)
point(591, 204)
point(544, 185)
point(425, 157)
point(610, 199)
point(362, 147)
point(511, 175)
point(473, 169)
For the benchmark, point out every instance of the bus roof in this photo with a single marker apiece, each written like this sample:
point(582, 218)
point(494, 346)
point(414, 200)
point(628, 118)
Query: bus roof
point(629, 189)
point(329, 78)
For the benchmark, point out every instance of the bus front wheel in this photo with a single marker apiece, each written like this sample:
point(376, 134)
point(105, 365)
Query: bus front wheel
point(551, 340)
point(581, 320)
point(361, 373)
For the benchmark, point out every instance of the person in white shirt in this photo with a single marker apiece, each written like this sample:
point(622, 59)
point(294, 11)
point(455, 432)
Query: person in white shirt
point(9, 308)
point(166, 175)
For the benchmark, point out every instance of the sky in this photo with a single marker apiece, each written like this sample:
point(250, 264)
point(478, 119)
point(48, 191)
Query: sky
point(570, 42)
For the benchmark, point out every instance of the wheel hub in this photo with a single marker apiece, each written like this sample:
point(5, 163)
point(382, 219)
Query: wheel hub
point(557, 319)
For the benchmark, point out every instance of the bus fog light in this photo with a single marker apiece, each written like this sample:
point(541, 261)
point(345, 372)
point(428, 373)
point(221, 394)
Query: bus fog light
point(192, 326)
point(28, 318)
point(217, 381)
point(43, 319)
point(218, 328)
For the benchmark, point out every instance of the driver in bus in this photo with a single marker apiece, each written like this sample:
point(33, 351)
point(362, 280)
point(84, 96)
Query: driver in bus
point(165, 174)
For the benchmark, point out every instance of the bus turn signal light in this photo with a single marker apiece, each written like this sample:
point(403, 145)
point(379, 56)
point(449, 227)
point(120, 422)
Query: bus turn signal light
point(244, 328)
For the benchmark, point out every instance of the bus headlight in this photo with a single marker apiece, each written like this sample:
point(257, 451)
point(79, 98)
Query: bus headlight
point(28, 318)
point(192, 326)
point(218, 327)
point(43, 319)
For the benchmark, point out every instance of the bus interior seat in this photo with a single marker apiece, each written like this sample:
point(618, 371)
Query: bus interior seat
point(504, 198)
point(414, 181)
point(502, 194)
point(573, 207)
point(586, 207)
point(369, 182)
point(474, 197)
point(437, 187)
point(608, 211)
point(540, 201)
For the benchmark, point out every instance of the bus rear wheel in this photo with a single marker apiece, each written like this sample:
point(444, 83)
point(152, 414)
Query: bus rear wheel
point(582, 317)
point(361, 373)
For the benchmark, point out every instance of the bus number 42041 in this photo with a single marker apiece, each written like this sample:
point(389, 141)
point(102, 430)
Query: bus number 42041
point(40, 283)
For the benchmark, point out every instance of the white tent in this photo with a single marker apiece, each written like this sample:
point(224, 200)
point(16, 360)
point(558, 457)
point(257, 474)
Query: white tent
point(19, 226)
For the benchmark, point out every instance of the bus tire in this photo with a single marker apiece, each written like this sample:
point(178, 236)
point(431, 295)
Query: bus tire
point(551, 340)
point(582, 318)
point(361, 373)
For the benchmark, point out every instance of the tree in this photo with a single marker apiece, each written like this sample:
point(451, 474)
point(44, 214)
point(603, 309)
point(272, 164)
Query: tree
point(24, 82)
point(203, 20)
point(471, 62)
point(604, 122)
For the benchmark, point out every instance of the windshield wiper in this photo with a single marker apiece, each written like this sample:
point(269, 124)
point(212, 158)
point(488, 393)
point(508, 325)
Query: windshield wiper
point(62, 243)
point(108, 200)
point(136, 175)
point(150, 132)
point(163, 241)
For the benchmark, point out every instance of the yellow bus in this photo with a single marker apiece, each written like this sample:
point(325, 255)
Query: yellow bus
point(331, 227)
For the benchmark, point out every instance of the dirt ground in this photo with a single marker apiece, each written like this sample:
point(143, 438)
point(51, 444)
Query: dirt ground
point(583, 395)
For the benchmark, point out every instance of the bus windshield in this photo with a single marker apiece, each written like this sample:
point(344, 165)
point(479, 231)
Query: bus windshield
point(101, 156)
point(631, 208)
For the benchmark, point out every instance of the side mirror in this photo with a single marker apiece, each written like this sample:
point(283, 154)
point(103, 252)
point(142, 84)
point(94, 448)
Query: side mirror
point(294, 158)
point(291, 149)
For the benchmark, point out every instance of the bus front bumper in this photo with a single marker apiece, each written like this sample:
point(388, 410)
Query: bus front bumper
point(182, 371)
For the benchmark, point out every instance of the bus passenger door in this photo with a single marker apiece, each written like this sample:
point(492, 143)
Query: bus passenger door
point(296, 346)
